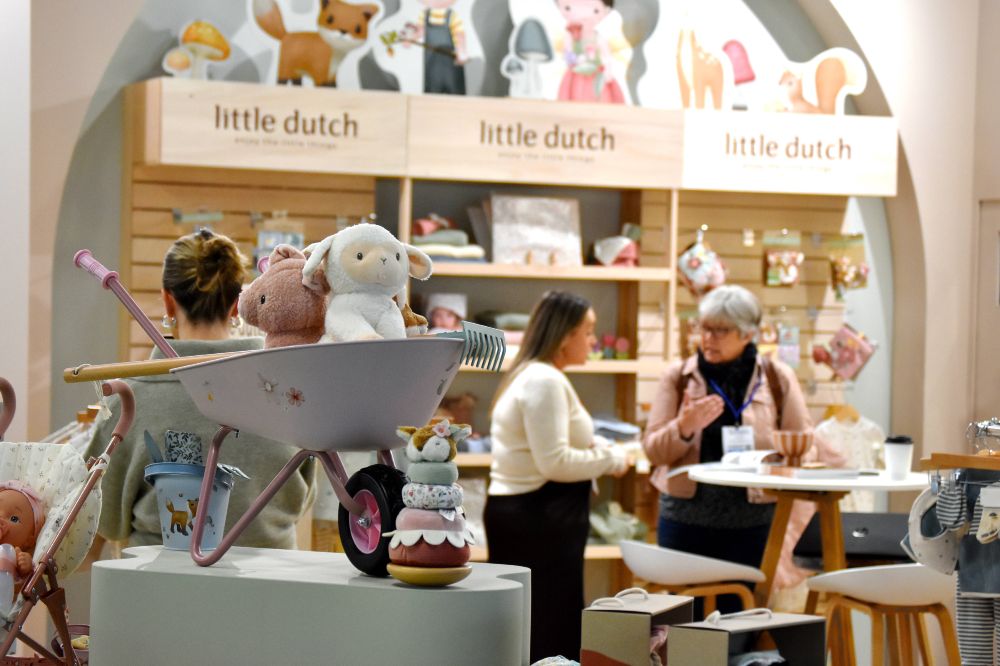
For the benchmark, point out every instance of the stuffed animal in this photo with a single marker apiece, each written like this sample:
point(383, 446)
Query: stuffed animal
point(433, 443)
point(367, 269)
point(288, 310)
point(413, 323)
point(22, 516)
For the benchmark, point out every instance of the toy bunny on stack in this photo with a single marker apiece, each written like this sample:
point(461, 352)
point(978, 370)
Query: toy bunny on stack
point(430, 545)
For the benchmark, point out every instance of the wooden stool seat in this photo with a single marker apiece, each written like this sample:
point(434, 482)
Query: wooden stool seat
point(678, 572)
point(895, 597)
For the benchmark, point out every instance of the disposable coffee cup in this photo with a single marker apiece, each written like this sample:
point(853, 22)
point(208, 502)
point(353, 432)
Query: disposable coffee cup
point(898, 452)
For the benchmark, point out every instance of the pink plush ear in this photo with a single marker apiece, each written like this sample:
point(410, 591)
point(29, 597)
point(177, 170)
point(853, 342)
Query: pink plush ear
point(285, 251)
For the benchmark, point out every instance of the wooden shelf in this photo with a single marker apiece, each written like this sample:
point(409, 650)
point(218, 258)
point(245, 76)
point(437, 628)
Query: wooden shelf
point(595, 273)
point(602, 367)
point(601, 551)
point(938, 461)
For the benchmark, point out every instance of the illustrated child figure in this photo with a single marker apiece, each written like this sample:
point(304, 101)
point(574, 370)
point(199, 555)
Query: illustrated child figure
point(442, 35)
point(21, 518)
point(588, 54)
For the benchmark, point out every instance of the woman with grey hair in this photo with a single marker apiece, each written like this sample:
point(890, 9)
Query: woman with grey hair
point(726, 398)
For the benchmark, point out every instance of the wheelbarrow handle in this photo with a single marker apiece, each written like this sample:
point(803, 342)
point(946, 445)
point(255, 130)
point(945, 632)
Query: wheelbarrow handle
point(85, 260)
point(89, 373)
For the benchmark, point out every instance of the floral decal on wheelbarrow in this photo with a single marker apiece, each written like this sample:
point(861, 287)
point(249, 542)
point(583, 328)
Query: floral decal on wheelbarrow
point(295, 397)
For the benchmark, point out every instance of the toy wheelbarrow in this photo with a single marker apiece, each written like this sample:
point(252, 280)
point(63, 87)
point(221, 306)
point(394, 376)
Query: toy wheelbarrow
point(322, 398)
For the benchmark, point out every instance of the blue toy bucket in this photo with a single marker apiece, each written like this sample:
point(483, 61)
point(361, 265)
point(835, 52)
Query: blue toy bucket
point(177, 487)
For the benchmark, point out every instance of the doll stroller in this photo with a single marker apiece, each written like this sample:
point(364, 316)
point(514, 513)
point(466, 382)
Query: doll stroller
point(321, 398)
point(69, 490)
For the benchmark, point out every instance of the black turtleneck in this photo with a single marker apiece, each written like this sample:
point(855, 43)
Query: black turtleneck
point(733, 378)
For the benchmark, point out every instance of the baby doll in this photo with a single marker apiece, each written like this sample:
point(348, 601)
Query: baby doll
point(21, 520)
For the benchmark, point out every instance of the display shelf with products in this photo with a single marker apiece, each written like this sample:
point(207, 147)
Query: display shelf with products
point(654, 169)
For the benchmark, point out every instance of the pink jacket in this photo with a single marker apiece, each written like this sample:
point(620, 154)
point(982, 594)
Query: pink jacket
point(665, 448)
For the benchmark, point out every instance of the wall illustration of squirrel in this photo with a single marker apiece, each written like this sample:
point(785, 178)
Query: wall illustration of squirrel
point(341, 28)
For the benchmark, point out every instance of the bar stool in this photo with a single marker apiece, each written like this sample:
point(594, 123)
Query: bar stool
point(892, 596)
point(678, 572)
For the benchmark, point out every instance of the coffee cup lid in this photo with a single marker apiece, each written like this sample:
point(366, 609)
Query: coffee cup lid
point(899, 439)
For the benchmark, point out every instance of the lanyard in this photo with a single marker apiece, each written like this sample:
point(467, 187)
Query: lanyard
point(737, 413)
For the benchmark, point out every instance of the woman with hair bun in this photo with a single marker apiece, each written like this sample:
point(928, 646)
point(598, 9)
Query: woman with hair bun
point(203, 274)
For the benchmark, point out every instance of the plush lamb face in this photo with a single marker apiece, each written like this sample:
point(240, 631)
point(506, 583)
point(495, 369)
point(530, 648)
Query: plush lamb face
point(367, 258)
point(367, 269)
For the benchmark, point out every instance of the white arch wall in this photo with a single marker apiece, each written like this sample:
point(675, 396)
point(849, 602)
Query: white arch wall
point(909, 35)
point(925, 59)
point(15, 81)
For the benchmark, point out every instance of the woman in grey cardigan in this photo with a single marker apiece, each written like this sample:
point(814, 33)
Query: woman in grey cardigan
point(202, 277)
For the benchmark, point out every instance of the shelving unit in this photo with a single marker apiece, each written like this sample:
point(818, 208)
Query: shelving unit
point(669, 169)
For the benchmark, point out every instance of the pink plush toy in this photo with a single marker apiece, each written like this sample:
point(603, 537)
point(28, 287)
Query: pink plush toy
point(21, 518)
point(279, 304)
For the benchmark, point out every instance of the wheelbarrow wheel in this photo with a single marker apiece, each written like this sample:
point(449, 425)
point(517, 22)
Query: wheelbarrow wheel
point(379, 490)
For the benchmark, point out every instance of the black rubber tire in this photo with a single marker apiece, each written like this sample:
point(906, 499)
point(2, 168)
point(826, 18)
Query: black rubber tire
point(386, 485)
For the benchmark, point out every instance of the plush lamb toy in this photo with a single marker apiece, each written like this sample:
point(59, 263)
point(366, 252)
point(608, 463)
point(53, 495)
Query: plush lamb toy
point(277, 302)
point(367, 268)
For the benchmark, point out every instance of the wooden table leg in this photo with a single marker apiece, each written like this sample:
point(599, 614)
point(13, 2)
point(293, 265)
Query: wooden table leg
point(835, 558)
point(772, 551)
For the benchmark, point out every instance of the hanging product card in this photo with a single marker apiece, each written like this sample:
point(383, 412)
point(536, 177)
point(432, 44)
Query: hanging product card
point(848, 263)
point(847, 354)
point(788, 345)
point(783, 258)
point(767, 339)
point(700, 267)
point(277, 231)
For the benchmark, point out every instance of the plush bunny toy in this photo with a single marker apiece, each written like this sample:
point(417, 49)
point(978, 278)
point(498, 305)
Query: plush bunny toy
point(288, 311)
point(366, 267)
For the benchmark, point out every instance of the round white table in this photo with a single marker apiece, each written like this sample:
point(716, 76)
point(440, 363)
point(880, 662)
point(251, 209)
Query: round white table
point(825, 493)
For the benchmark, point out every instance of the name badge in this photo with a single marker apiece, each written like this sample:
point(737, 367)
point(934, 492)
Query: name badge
point(737, 438)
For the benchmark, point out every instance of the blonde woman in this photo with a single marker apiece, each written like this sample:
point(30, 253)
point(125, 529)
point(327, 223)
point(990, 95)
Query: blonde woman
point(544, 459)
point(203, 274)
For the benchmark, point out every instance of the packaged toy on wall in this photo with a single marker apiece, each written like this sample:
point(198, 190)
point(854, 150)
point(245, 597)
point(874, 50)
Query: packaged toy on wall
point(782, 258)
point(848, 263)
point(430, 545)
point(700, 267)
point(847, 353)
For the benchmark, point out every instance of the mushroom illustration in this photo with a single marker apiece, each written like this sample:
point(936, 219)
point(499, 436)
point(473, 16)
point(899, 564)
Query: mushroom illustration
point(178, 61)
point(205, 44)
point(529, 48)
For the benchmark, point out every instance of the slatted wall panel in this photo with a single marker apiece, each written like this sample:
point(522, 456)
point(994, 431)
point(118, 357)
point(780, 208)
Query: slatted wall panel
point(811, 304)
point(316, 200)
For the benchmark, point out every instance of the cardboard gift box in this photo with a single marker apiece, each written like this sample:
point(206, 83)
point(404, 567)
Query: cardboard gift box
point(616, 630)
point(800, 639)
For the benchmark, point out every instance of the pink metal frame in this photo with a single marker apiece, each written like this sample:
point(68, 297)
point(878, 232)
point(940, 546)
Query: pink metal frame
point(331, 463)
point(109, 280)
point(36, 589)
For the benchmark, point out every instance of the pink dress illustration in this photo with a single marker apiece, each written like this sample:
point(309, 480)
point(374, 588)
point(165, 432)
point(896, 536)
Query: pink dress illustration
point(588, 54)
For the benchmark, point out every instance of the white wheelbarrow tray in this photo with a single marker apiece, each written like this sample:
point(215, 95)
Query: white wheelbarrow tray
point(324, 398)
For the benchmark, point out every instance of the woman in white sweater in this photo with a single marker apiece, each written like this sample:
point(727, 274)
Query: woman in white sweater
point(543, 461)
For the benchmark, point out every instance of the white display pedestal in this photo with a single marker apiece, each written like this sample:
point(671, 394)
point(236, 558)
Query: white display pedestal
point(261, 606)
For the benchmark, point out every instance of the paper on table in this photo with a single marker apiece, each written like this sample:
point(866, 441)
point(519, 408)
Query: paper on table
point(736, 461)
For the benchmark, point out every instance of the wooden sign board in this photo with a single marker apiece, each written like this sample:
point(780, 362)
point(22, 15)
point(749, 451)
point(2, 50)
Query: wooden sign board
point(790, 153)
point(526, 141)
point(252, 126)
